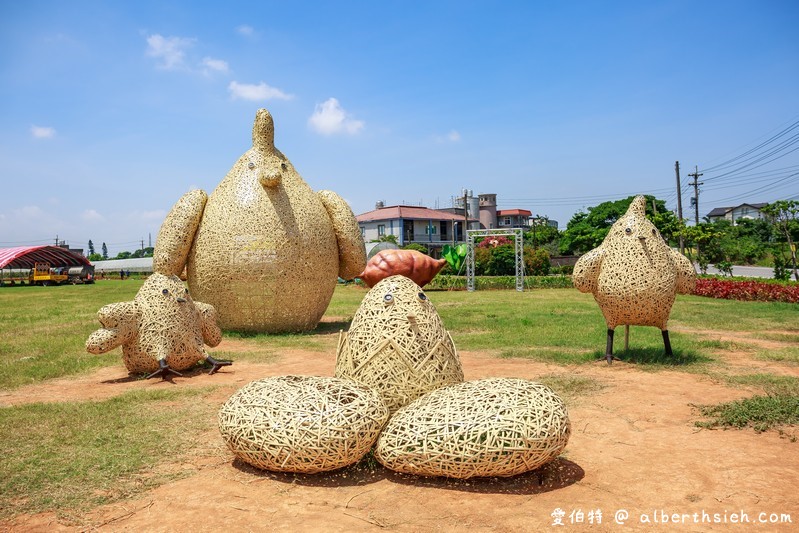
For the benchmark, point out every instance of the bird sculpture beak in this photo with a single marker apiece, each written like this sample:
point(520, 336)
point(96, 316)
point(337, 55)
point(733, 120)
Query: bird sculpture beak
point(270, 180)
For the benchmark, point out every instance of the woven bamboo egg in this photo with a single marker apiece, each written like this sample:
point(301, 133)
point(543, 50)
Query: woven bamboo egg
point(264, 249)
point(303, 424)
point(162, 325)
point(488, 427)
point(398, 345)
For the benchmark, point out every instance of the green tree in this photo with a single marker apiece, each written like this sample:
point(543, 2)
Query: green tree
point(703, 239)
point(536, 261)
point(91, 247)
point(415, 246)
point(501, 261)
point(541, 233)
point(95, 257)
point(784, 214)
point(105, 251)
point(586, 231)
point(388, 238)
point(123, 255)
point(146, 252)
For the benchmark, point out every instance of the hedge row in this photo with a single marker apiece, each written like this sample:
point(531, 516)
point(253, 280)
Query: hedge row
point(500, 282)
point(712, 287)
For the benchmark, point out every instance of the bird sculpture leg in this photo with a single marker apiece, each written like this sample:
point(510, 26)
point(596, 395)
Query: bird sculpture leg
point(164, 370)
point(217, 363)
point(666, 342)
point(609, 348)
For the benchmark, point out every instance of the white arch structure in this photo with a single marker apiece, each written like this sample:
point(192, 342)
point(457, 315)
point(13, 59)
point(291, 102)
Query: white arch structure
point(518, 249)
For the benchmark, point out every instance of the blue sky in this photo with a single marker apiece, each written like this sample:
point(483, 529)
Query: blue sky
point(112, 110)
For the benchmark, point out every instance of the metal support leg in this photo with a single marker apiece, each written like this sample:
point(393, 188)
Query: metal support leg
point(666, 342)
point(609, 348)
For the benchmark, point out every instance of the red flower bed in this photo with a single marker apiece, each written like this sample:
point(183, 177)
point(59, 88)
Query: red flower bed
point(746, 290)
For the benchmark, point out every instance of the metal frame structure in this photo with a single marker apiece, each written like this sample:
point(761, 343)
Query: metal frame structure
point(518, 249)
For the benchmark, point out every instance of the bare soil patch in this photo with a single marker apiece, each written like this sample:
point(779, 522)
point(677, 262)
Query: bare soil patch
point(634, 447)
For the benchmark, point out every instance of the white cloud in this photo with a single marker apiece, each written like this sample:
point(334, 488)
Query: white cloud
point(329, 118)
point(245, 30)
point(452, 137)
point(90, 215)
point(29, 212)
point(262, 91)
point(147, 216)
point(42, 132)
point(170, 50)
point(218, 65)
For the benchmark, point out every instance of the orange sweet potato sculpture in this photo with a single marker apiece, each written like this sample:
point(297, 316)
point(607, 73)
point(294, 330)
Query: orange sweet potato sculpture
point(415, 265)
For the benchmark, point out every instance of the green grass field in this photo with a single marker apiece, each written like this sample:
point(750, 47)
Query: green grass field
point(110, 449)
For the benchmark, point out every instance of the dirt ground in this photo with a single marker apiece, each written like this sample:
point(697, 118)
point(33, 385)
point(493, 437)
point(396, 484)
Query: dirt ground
point(635, 462)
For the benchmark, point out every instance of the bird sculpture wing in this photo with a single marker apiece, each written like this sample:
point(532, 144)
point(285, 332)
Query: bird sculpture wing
point(586, 270)
point(119, 323)
point(686, 274)
point(212, 335)
point(351, 249)
point(177, 233)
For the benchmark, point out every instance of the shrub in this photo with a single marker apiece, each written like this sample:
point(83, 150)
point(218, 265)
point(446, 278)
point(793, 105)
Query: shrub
point(536, 261)
point(494, 242)
point(417, 247)
point(747, 290)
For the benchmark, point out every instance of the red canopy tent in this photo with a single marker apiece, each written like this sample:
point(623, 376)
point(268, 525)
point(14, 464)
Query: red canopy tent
point(26, 256)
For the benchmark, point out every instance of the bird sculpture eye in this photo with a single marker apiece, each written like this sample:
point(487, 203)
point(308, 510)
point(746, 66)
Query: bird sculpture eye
point(165, 291)
point(628, 231)
point(422, 296)
point(283, 166)
point(654, 231)
point(388, 298)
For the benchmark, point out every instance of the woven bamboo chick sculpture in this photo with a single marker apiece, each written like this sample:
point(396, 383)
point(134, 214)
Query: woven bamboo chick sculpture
point(161, 331)
point(398, 345)
point(263, 248)
point(634, 275)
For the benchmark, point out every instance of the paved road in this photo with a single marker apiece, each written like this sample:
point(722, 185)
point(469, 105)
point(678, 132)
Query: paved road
point(746, 271)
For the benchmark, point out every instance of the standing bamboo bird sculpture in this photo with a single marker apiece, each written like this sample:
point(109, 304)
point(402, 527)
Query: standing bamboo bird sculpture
point(634, 275)
point(264, 249)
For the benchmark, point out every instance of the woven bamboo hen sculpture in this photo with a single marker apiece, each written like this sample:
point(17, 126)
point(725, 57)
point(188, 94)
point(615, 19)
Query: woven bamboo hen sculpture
point(264, 249)
point(634, 275)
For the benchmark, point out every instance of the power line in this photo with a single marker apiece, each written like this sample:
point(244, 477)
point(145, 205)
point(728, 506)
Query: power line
point(791, 127)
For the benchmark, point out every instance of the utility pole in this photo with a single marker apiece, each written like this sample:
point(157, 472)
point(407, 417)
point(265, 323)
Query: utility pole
point(696, 185)
point(142, 247)
point(679, 204)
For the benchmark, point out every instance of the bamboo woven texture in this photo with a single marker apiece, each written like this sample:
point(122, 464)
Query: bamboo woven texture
point(302, 424)
point(264, 249)
point(489, 427)
point(398, 345)
point(162, 322)
point(634, 275)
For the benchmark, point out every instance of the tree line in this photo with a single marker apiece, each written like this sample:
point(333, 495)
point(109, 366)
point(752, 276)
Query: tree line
point(94, 256)
point(769, 241)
